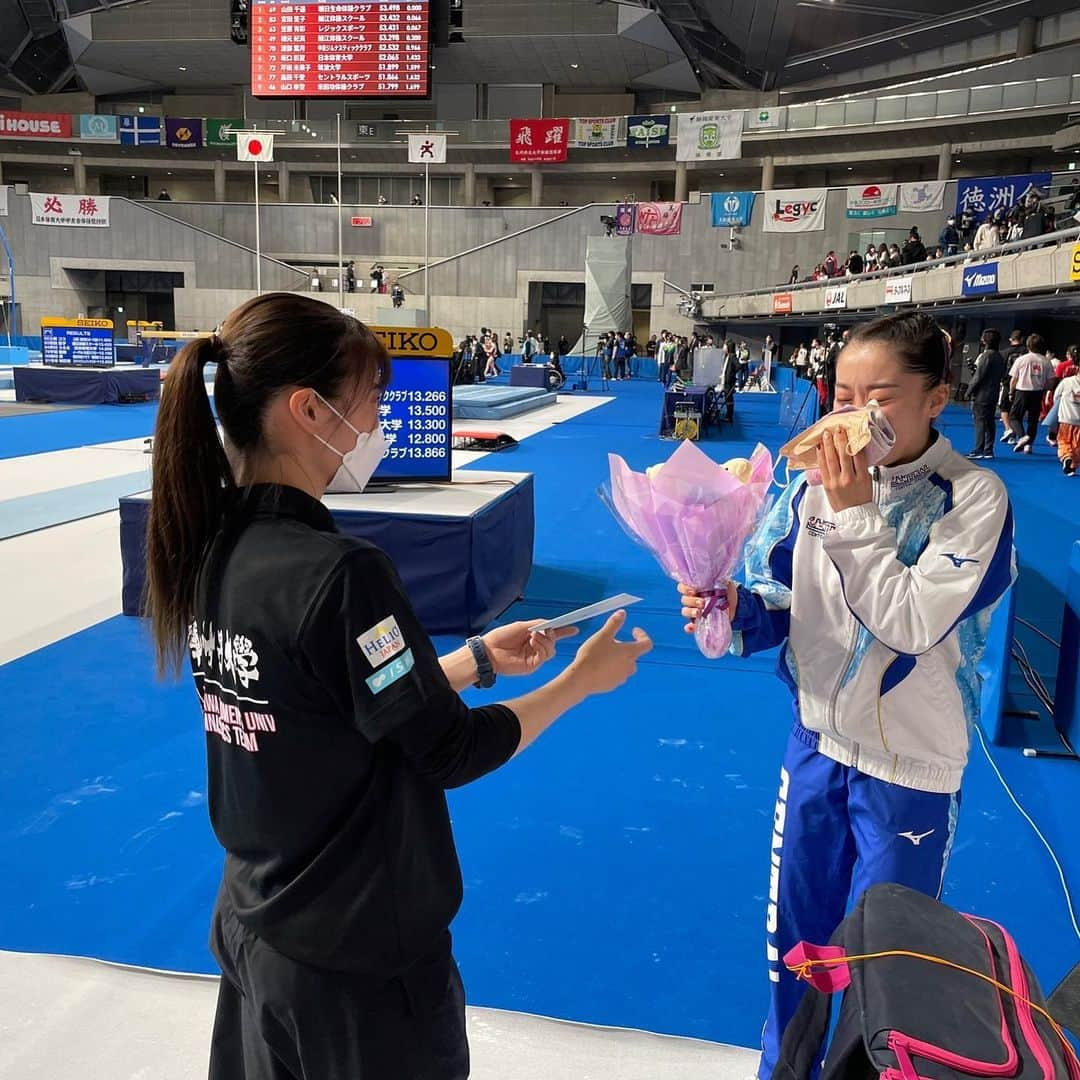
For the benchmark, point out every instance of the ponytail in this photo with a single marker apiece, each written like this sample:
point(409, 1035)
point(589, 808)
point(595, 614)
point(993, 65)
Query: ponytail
point(192, 484)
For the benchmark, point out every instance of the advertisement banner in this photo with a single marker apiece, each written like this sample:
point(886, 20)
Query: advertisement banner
point(361, 222)
point(32, 125)
point(732, 209)
point(898, 290)
point(980, 280)
point(872, 201)
point(183, 132)
point(659, 218)
point(625, 219)
point(836, 296)
point(765, 119)
point(539, 140)
point(711, 136)
point(595, 133)
point(985, 195)
point(430, 148)
point(643, 132)
point(922, 197)
point(797, 210)
point(83, 211)
point(782, 303)
point(140, 131)
point(1074, 270)
point(221, 131)
point(98, 128)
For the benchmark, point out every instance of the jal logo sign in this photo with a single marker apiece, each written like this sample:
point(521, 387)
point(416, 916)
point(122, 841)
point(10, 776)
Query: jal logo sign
point(836, 296)
point(980, 280)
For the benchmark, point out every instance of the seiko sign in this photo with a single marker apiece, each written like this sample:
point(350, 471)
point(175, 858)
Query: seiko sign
point(427, 341)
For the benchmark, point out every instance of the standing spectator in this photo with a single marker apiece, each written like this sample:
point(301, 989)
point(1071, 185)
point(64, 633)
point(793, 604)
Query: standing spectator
point(855, 264)
point(491, 363)
point(728, 367)
point(770, 354)
point(622, 356)
point(1067, 401)
point(667, 354)
point(508, 344)
point(164, 196)
point(966, 227)
point(870, 261)
point(684, 364)
point(831, 265)
point(651, 346)
point(914, 249)
point(985, 392)
point(987, 235)
point(802, 361)
point(1012, 354)
point(832, 357)
point(376, 276)
point(383, 200)
point(793, 279)
point(1028, 378)
point(418, 200)
point(350, 277)
point(895, 257)
point(397, 295)
point(1064, 370)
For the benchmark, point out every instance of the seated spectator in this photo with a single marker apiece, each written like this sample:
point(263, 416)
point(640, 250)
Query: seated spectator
point(895, 258)
point(870, 260)
point(831, 265)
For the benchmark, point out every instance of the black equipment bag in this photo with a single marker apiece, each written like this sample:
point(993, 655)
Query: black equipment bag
point(909, 1018)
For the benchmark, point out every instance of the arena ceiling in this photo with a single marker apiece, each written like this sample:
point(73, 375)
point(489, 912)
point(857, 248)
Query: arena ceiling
point(116, 46)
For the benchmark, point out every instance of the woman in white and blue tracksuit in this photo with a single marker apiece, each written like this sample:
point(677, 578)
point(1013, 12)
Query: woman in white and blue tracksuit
point(880, 584)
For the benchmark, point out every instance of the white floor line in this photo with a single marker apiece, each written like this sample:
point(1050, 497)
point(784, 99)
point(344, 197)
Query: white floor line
point(37, 473)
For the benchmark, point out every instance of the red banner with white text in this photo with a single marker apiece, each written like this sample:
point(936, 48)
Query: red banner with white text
point(534, 141)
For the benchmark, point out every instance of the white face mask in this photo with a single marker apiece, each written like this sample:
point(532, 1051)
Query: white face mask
point(359, 463)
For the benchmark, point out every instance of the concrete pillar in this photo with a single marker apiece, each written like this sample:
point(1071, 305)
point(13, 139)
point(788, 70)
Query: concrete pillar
point(80, 175)
point(469, 196)
point(537, 187)
point(1025, 37)
point(944, 162)
point(283, 181)
point(768, 173)
point(680, 181)
point(547, 99)
point(219, 181)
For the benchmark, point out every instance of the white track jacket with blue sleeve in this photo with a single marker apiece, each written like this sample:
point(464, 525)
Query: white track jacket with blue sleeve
point(883, 612)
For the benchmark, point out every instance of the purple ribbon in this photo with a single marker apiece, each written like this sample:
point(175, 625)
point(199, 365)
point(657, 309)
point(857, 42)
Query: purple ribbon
point(718, 598)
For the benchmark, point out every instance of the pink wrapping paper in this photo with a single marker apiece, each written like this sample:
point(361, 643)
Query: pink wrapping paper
point(695, 517)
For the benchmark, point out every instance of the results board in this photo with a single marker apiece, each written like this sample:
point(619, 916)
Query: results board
point(77, 343)
point(340, 48)
point(416, 414)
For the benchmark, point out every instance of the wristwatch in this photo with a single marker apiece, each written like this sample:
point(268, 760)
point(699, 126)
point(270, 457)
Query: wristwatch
point(485, 673)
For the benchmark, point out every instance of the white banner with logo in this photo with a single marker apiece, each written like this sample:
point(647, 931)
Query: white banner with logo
point(795, 210)
point(430, 148)
point(898, 290)
point(711, 136)
point(872, 200)
point(84, 211)
point(766, 119)
point(836, 296)
point(595, 133)
point(922, 197)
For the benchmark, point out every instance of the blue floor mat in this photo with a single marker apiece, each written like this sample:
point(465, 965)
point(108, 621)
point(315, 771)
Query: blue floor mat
point(28, 513)
point(615, 873)
point(67, 429)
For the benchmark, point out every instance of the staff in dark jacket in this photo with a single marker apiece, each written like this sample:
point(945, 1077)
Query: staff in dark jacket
point(985, 390)
point(332, 727)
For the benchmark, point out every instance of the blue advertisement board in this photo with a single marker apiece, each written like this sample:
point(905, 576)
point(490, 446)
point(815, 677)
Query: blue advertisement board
point(732, 209)
point(415, 413)
point(980, 280)
point(985, 195)
point(77, 343)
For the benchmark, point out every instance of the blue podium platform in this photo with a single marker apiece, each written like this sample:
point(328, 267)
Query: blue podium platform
point(464, 550)
point(86, 386)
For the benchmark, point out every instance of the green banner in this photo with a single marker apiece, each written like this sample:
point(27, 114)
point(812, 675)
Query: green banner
point(222, 132)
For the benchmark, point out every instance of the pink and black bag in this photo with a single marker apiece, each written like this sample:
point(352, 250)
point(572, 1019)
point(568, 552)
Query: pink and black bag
point(921, 1017)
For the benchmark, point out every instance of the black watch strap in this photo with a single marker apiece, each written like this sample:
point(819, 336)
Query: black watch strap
point(485, 673)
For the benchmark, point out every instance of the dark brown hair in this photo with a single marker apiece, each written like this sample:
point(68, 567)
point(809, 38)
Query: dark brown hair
point(273, 343)
point(924, 347)
point(1036, 343)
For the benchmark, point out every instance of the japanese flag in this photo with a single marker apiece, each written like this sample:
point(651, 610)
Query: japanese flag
point(255, 146)
point(427, 147)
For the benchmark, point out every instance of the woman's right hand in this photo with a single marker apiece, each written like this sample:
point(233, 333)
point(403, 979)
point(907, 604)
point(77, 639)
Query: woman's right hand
point(603, 663)
point(693, 604)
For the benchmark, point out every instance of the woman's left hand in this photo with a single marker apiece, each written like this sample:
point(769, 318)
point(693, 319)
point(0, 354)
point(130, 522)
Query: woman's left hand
point(516, 650)
point(846, 479)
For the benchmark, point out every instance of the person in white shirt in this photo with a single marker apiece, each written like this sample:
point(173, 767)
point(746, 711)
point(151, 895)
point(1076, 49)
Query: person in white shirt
point(802, 359)
point(986, 236)
point(1028, 379)
point(1067, 400)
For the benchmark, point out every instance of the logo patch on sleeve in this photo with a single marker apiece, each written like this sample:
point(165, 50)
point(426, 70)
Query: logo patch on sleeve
point(382, 642)
point(390, 674)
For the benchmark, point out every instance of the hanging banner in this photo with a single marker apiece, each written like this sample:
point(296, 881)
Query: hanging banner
point(732, 209)
point(782, 303)
point(644, 132)
point(985, 195)
point(765, 119)
point(183, 132)
point(836, 296)
point(797, 210)
point(84, 211)
point(4, 205)
point(872, 201)
point(140, 131)
point(922, 197)
point(659, 218)
point(898, 290)
point(427, 148)
point(221, 131)
point(98, 128)
point(980, 280)
point(539, 140)
point(712, 136)
point(32, 125)
point(625, 219)
point(595, 133)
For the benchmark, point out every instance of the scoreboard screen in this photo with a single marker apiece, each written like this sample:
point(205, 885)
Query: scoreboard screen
point(340, 48)
point(416, 415)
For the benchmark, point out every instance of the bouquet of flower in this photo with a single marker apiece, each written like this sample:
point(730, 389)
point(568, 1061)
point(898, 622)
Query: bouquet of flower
point(695, 517)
